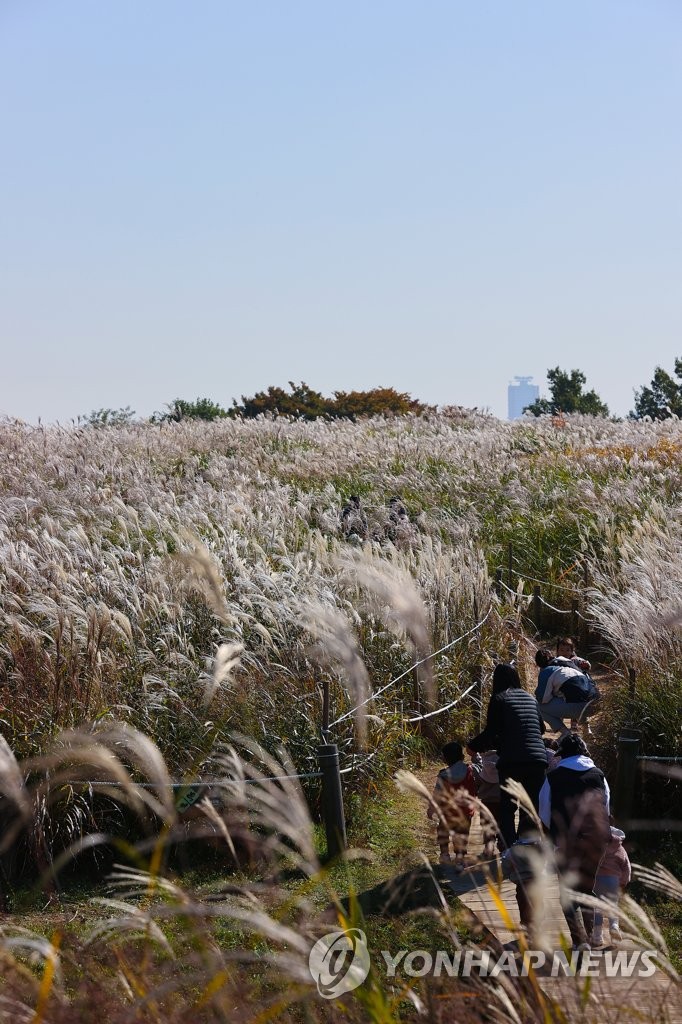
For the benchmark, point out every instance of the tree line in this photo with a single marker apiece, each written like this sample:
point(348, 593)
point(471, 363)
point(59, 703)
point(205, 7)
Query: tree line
point(300, 401)
point(659, 400)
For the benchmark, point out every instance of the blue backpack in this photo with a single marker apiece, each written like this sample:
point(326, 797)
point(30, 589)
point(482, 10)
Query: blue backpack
point(579, 689)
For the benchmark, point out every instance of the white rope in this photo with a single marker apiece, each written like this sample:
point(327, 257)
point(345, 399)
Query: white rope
point(358, 764)
point(530, 597)
point(209, 783)
point(561, 611)
point(434, 654)
point(546, 583)
point(527, 598)
point(509, 589)
point(439, 711)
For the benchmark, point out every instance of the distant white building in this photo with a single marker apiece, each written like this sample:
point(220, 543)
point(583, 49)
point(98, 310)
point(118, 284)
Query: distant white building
point(521, 393)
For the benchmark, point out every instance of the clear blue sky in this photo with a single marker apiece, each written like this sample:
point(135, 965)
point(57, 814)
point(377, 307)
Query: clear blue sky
point(206, 198)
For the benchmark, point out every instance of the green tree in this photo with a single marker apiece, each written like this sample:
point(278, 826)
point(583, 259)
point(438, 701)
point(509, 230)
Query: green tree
point(200, 409)
point(109, 417)
point(567, 395)
point(662, 398)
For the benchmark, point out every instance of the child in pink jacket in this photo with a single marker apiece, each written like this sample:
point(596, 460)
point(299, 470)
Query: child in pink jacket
point(613, 874)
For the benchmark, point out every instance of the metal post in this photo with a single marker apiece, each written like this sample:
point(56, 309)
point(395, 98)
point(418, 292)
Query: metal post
point(332, 799)
point(626, 774)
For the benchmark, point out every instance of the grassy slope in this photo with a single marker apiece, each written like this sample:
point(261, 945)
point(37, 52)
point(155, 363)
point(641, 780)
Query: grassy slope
point(392, 828)
point(389, 830)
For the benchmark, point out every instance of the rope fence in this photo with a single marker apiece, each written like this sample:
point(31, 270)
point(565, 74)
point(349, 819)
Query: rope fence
point(546, 583)
point(528, 599)
point(439, 711)
point(216, 783)
point(417, 664)
point(559, 611)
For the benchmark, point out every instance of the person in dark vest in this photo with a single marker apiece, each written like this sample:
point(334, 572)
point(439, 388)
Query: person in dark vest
point(574, 806)
point(514, 728)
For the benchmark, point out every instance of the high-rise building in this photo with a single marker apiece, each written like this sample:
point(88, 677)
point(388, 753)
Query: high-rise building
point(520, 393)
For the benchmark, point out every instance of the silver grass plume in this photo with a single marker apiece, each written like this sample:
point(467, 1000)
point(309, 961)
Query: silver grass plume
point(204, 575)
point(397, 602)
point(272, 798)
point(337, 646)
point(226, 660)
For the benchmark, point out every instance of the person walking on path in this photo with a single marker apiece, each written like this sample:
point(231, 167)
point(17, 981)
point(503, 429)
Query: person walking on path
point(514, 728)
point(574, 806)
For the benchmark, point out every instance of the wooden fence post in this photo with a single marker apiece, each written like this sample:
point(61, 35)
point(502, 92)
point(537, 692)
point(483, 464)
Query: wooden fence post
point(416, 692)
point(477, 675)
point(325, 709)
point(537, 608)
point(632, 679)
point(332, 799)
point(626, 774)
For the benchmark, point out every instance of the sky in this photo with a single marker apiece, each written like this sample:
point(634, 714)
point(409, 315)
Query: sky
point(203, 199)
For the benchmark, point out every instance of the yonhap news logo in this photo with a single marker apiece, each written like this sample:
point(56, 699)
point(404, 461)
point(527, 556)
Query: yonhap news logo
point(482, 963)
point(339, 962)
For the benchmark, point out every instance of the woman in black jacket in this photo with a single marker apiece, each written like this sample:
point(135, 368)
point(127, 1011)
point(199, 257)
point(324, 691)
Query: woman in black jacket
point(514, 728)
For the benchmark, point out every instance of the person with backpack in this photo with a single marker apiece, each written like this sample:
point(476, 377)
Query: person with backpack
point(563, 690)
point(574, 807)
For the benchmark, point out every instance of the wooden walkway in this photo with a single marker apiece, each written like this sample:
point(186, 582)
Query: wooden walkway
point(598, 999)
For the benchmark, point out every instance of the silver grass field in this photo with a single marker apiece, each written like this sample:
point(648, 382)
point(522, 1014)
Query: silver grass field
point(172, 598)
